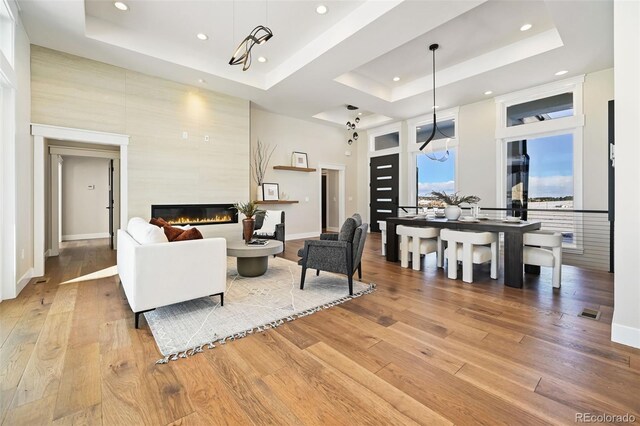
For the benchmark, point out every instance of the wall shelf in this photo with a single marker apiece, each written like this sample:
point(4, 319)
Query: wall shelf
point(278, 202)
point(294, 169)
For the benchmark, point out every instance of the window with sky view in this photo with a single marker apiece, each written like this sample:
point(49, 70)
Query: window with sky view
point(435, 175)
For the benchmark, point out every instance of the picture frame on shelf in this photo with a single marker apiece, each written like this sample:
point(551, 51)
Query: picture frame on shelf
point(270, 192)
point(300, 159)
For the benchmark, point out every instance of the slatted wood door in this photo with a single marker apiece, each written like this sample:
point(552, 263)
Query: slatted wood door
point(384, 188)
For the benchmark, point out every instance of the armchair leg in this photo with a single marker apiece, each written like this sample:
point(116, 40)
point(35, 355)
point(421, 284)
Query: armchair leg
point(350, 278)
point(304, 273)
point(360, 271)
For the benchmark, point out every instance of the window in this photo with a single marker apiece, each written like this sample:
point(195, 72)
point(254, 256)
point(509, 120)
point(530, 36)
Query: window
point(434, 176)
point(386, 141)
point(540, 137)
point(446, 129)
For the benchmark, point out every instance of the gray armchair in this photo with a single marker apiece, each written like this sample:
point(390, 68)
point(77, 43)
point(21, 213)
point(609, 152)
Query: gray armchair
point(340, 253)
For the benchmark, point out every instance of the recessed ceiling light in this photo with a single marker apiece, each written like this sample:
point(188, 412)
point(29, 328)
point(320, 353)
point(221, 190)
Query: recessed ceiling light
point(563, 72)
point(435, 107)
point(359, 113)
point(202, 80)
point(202, 36)
point(526, 27)
point(418, 128)
point(121, 6)
point(262, 59)
point(396, 78)
point(488, 92)
point(321, 9)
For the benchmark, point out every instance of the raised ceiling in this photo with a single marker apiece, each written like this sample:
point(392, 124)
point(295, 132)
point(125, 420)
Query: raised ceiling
point(316, 64)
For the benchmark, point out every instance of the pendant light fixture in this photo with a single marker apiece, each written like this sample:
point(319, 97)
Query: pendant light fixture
point(434, 128)
point(351, 125)
point(259, 35)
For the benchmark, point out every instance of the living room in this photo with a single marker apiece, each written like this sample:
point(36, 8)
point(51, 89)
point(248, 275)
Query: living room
point(184, 127)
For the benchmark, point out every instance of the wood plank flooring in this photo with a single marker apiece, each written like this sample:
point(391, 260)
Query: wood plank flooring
point(421, 349)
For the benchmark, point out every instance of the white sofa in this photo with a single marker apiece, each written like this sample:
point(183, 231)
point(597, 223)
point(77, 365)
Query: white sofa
point(155, 272)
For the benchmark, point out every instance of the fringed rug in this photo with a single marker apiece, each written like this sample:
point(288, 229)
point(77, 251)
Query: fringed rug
point(250, 305)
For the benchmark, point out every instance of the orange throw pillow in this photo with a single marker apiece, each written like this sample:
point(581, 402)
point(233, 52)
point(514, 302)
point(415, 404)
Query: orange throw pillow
point(171, 232)
point(159, 222)
point(189, 234)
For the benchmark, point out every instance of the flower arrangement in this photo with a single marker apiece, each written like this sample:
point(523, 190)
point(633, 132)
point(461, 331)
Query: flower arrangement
point(454, 199)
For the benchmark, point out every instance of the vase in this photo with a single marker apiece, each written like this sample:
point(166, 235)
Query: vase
point(248, 225)
point(259, 193)
point(452, 212)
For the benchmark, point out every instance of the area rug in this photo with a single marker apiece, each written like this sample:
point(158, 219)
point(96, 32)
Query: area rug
point(250, 305)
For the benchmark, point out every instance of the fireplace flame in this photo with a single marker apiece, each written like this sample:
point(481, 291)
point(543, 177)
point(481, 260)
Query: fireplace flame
point(185, 219)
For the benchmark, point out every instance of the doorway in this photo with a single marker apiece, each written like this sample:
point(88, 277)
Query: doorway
point(42, 134)
point(85, 190)
point(332, 196)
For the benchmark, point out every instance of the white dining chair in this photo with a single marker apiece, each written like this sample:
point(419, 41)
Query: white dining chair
point(470, 248)
point(424, 241)
point(544, 248)
point(382, 224)
point(404, 232)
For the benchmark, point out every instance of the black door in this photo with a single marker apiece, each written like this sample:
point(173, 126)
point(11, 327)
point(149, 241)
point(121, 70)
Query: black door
point(323, 202)
point(110, 204)
point(384, 185)
point(612, 182)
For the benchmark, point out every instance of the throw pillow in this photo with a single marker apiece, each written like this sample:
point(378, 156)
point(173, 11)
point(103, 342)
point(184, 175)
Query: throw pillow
point(189, 234)
point(145, 233)
point(171, 232)
point(158, 221)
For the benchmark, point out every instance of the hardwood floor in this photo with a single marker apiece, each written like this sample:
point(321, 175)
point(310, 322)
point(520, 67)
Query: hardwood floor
point(420, 349)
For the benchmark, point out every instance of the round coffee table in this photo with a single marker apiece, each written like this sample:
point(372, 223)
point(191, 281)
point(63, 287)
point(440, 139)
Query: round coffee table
point(253, 260)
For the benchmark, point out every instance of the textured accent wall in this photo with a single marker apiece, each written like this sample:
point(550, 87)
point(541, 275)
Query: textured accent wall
point(71, 91)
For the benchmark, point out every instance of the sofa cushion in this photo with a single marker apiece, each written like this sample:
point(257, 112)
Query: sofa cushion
point(158, 221)
point(145, 233)
point(189, 234)
point(172, 232)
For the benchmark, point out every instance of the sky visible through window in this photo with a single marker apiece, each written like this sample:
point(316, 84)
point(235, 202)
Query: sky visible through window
point(435, 175)
point(551, 166)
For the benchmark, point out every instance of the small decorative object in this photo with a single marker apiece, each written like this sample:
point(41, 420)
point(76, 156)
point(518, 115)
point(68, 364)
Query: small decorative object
point(260, 161)
point(299, 159)
point(270, 192)
point(248, 209)
point(453, 201)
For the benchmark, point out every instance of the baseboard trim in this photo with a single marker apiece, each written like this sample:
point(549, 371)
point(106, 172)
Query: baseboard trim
point(302, 236)
point(333, 229)
point(625, 335)
point(23, 281)
point(85, 236)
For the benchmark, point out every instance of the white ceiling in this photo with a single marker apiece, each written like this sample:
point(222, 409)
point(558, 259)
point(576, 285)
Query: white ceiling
point(319, 63)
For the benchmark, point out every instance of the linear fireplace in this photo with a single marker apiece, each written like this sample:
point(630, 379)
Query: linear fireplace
point(195, 214)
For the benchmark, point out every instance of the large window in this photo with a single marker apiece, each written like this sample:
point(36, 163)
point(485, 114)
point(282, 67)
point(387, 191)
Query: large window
point(434, 176)
point(541, 167)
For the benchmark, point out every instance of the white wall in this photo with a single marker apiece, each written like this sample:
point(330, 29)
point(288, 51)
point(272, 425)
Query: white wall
point(17, 202)
point(84, 212)
point(323, 144)
point(626, 314)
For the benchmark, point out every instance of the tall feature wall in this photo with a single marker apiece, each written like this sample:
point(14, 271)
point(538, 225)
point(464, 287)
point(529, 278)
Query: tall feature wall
point(323, 145)
point(163, 167)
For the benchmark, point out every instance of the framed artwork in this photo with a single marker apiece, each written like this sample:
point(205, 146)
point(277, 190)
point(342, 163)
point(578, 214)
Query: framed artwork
point(299, 159)
point(270, 192)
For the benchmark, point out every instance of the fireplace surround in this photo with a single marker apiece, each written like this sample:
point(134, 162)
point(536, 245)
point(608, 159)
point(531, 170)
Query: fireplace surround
point(195, 214)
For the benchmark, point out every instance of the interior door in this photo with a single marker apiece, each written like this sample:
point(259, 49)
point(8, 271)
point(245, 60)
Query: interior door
point(110, 204)
point(323, 201)
point(384, 188)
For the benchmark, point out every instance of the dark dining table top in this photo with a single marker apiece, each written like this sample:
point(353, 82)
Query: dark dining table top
point(489, 225)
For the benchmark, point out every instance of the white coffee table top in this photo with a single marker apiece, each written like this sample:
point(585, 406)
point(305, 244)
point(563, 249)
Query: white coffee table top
point(240, 249)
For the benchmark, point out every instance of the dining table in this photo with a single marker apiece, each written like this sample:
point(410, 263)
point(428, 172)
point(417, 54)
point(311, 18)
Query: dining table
point(513, 238)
